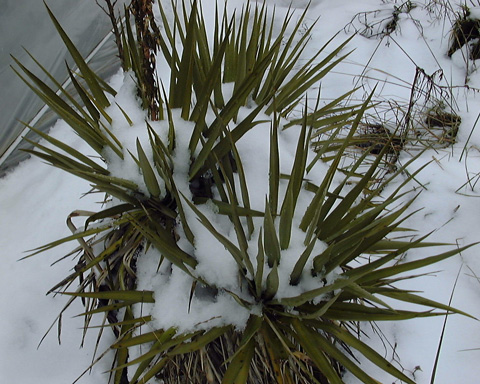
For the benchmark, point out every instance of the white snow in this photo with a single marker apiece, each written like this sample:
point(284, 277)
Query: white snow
point(35, 199)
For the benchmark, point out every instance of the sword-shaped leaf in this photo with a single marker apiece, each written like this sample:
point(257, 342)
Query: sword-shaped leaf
point(239, 368)
point(300, 264)
point(200, 341)
point(87, 73)
point(378, 274)
point(309, 343)
point(271, 285)
point(236, 252)
point(147, 171)
point(364, 349)
point(131, 296)
point(270, 239)
point(260, 266)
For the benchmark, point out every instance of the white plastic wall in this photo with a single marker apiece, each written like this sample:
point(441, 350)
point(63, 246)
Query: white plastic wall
point(26, 24)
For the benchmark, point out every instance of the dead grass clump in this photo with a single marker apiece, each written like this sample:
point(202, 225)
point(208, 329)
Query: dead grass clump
point(376, 137)
point(208, 364)
point(381, 22)
point(443, 125)
point(466, 29)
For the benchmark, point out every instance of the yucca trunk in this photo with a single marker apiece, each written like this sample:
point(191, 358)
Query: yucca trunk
point(147, 31)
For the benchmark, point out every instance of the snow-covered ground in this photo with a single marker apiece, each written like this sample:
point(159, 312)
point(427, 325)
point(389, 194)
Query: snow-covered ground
point(35, 200)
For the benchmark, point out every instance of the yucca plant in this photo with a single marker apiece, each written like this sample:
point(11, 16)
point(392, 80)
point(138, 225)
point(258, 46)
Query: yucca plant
point(315, 257)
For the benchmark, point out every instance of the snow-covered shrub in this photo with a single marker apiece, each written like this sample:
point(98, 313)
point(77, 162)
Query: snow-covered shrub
point(229, 251)
point(465, 31)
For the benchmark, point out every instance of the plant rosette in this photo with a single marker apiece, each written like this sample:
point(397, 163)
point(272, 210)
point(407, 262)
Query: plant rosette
point(228, 250)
